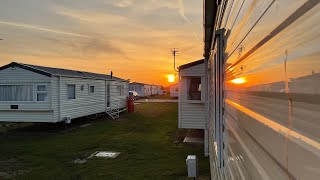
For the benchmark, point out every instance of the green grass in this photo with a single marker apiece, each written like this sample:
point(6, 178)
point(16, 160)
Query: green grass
point(166, 96)
point(148, 140)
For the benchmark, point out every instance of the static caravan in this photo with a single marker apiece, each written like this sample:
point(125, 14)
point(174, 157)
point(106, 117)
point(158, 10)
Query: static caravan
point(192, 102)
point(144, 90)
point(139, 88)
point(263, 103)
point(174, 90)
point(147, 90)
point(192, 95)
point(30, 93)
point(155, 89)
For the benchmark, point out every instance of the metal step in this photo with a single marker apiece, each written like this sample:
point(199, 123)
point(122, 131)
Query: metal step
point(113, 113)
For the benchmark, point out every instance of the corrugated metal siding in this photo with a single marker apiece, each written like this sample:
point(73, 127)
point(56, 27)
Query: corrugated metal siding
point(28, 111)
point(272, 119)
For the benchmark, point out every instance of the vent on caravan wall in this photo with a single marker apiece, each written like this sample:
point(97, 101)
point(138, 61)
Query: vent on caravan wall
point(67, 120)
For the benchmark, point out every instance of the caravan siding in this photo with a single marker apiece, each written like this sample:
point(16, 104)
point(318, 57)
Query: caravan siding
point(33, 110)
point(119, 99)
point(147, 90)
point(26, 116)
point(272, 118)
point(197, 70)
point(55, 98)
point(85, 103)
point(192, 116)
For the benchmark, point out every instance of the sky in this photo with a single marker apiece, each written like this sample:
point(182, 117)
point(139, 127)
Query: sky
point(132, 38)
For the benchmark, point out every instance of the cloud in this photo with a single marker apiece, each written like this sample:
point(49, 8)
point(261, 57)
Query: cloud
point(90, 16)
point(38, 28)
point(181, 11)
point(123, 3)
point(83, 48)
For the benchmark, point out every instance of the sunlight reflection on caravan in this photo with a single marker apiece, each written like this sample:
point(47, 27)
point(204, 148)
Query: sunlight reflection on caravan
point(262, 69)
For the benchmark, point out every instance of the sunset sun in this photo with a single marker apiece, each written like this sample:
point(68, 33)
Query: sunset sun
point(239, 81)
point(171, 78)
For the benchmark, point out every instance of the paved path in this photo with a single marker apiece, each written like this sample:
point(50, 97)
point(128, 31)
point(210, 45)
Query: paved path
point(156, 100)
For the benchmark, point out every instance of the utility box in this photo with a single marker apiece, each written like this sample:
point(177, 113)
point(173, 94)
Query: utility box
point(191, 162)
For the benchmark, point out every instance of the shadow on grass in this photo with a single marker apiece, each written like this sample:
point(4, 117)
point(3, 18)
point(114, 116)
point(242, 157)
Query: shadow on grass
point(149, 141)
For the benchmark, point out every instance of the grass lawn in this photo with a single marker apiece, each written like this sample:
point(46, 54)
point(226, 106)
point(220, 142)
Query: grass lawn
point(166, 96)
point(149, 142)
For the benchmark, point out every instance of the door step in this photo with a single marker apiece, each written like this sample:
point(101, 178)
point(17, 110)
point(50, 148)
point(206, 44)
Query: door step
point(114, 113)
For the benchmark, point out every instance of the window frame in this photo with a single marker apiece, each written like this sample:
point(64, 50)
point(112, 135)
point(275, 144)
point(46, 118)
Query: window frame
point(75, 92)
point(36, 92)
point(90, 89)
point(15, 84)
point(202, 98)
point(120, 90)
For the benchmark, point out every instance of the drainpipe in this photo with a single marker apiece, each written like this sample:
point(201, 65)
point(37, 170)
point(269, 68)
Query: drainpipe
point(206, 106)
point(60, 99)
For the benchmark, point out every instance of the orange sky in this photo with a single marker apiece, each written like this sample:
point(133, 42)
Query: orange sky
point(133, 38)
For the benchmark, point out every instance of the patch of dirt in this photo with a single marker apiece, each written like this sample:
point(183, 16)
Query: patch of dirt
point(11, 168)
point(178, 135)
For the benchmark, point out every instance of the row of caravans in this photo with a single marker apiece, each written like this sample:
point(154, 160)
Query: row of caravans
point(145, 90)
point(256, 93)
point(30, 93)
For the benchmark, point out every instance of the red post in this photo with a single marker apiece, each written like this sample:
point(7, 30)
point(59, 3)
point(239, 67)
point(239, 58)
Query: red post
point(130, 103)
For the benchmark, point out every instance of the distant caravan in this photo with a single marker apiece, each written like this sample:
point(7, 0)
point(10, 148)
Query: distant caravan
point(262, 72)
point(30, 93)
point(145, 90)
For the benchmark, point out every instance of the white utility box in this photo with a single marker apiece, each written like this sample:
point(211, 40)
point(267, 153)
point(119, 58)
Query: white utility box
point(192, 166)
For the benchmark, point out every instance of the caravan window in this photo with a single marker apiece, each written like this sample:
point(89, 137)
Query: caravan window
point(91, 89)
point(194, 88)
point(71, 91)
point(120, 90)
point(16, 92)
point(42, 92)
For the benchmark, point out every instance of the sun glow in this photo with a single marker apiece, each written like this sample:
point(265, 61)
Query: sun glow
point(239, 81)
point(171, 77)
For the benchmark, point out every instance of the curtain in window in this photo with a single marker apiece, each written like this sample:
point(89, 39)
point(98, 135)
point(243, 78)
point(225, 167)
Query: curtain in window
point(41, 88)
point(71, 91)
point(16, 92)
point(194, 91)
point(120, 90)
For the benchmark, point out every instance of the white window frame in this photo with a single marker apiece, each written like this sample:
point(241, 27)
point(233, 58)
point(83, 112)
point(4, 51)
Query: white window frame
point(75, 91)
point(36, 92)
point(33, 96)
point(186, 78)
point(120, 90)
